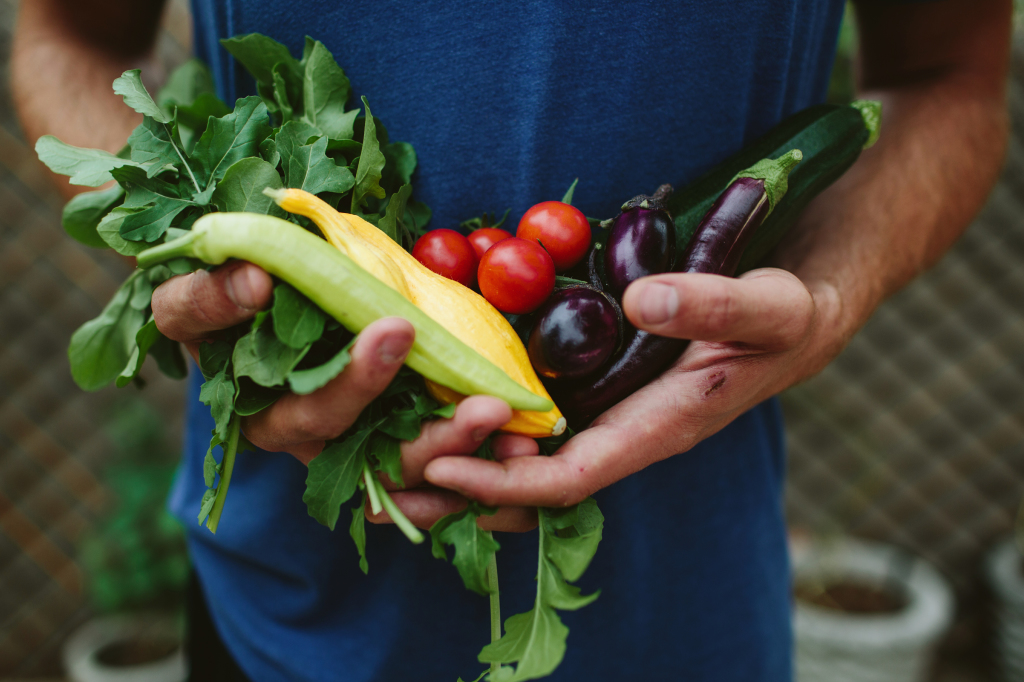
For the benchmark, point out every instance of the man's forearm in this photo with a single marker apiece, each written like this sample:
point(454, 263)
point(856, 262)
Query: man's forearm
point(907, 199)
point(65, 56)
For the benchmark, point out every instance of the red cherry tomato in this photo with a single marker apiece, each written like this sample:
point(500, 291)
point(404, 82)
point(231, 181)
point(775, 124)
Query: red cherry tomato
point(449, 254)
point(516, 275)
point(562, 229)
point(485, 238)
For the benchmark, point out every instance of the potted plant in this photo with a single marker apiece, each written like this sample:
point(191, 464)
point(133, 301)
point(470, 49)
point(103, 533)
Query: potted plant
point(135, 565)
point(1005, 573)
point(865, 611)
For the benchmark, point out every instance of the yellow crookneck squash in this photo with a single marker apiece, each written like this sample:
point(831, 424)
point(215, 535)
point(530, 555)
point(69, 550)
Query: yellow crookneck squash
point(462, 311)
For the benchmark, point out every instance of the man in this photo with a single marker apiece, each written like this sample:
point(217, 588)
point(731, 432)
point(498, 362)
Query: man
point(505, 107)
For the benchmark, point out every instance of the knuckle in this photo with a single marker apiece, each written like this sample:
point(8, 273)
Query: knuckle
point(720, 312)
point(314, 424)
point(199, 301)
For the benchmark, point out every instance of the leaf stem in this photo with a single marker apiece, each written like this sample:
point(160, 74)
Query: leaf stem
point(371, 488)
point(492, 582)
point(227, 466)
point(411, 531)
point(182, 157)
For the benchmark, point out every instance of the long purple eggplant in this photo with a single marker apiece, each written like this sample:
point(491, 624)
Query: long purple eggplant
point(642, 241)
point(715, 248)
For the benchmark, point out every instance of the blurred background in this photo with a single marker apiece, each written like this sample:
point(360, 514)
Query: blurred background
point(913, 437)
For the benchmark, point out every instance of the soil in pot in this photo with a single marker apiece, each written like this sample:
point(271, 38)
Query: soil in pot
point(137, 651)
point(851, 597)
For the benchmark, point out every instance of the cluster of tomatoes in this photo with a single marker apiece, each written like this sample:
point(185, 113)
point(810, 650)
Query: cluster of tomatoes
point(515, 274)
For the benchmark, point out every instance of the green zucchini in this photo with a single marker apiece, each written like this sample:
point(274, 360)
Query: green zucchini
point(831, 138)
point(347, 292)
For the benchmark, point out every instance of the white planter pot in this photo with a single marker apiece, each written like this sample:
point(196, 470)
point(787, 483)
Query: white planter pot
point(80, 651)
point(835, 646)
point(1003, 570)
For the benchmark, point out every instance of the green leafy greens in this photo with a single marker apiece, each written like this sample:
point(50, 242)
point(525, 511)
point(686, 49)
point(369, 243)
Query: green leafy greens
point(193, 154)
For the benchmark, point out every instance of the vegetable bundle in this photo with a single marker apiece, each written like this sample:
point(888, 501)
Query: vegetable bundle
point(316, 194)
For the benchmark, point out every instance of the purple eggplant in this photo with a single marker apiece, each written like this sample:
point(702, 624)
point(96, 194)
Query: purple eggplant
point(715, 248)
point(576, 331)
point(642, 241)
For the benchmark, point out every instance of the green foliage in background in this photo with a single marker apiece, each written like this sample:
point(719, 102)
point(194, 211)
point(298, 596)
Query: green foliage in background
point(841, 86)
point(134, 557)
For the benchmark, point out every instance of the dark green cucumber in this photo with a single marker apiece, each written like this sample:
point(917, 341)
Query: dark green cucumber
point(831, 138)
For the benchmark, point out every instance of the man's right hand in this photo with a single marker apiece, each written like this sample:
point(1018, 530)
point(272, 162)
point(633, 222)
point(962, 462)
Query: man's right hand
point(193, 308)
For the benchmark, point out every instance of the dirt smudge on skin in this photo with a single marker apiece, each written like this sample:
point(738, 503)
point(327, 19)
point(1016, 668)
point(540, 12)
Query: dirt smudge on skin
point(716, 380)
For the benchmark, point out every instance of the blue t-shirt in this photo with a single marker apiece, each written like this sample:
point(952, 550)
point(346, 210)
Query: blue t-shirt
point(505, 105)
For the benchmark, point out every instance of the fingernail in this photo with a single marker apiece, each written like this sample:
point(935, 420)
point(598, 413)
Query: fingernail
point(240, 288)
point(394, 348)
point(659, 303)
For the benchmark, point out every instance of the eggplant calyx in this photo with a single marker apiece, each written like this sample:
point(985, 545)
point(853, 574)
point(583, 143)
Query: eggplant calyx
point(774, 173)
point(654, 202)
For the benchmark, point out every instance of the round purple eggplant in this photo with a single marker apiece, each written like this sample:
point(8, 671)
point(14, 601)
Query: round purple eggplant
point(642, 241)
point(576, 331)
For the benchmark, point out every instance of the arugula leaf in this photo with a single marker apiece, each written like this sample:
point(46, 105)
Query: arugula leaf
point(371, 164)
point(231, 138)
point(109, 230)
point(305, 381)
point(144, 339)
point(262, 357)
point(474, 546)
point(577, 532)
point(193, 118)
point(84, 211)
point(159, 201)
point(243, 185)
point(186, 84)
point(333, 476)
point(210, 466)
point(388, 452)
point(358, 532)
point(219, 394)
point(417, 215)
point(401, 163)
point(535, 640)
point(100, 348)
point(396, 208)
point(129, 86)
point(89, 167)
point(169, 359)
point(307, 166)
point(269, 153)
point(206, 506)
point(402, 424)
point(325, 90)
point(152, 143)
point(252, 398)
point(298, 322)
point(214, 357)
point(280, 89)
point(260, 54)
